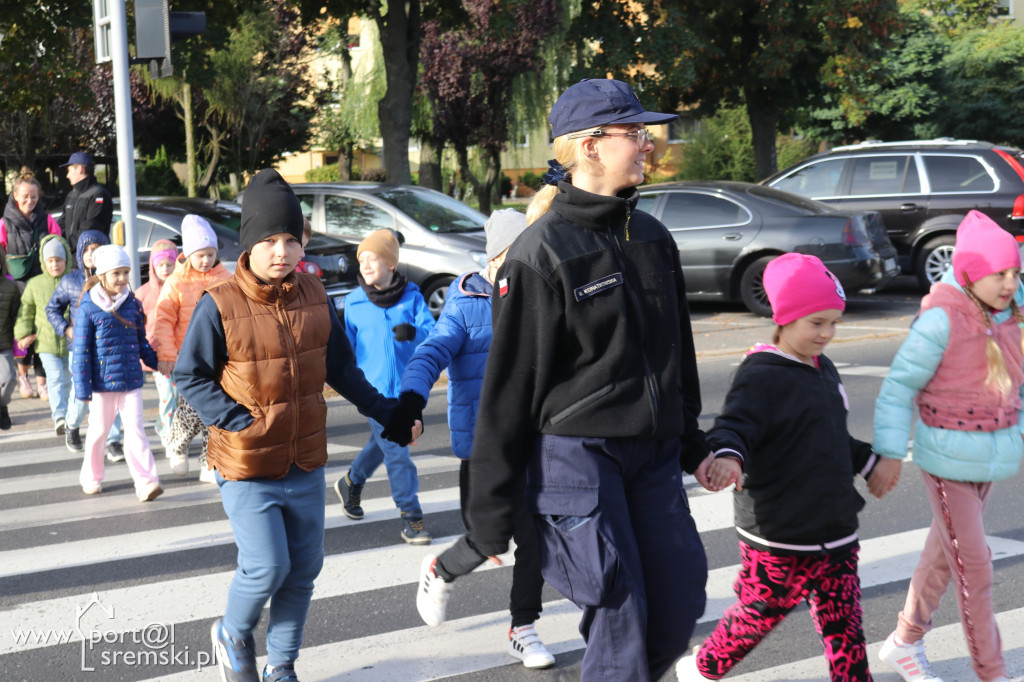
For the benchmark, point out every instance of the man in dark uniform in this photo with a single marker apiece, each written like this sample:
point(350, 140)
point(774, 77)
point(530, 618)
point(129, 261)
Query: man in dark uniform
point(88, 206)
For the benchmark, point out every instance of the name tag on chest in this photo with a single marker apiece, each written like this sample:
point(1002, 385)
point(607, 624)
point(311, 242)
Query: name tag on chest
point(598, 285)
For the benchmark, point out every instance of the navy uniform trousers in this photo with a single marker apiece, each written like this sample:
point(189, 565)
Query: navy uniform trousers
point(617, 539)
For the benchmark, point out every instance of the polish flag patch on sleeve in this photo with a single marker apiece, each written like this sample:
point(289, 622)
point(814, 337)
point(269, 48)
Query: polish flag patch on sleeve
point(503, 286)
point(99, 200)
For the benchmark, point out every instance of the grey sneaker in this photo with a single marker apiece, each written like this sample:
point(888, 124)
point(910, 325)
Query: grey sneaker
point(236, 660)
point(351, 495)
point(73, 440)
point(59, 426)
point(280, 674)
point(413, 531)
point(115, 452)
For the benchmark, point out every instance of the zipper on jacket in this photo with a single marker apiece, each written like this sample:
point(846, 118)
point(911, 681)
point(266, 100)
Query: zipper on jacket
point(282, 319)
point(652, 385)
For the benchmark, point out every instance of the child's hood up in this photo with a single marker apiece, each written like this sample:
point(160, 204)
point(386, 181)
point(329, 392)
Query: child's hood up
point(84, 240)
point(69, 258)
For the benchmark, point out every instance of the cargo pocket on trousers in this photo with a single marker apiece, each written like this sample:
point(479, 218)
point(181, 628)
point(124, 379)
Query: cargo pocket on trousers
point(576, 558)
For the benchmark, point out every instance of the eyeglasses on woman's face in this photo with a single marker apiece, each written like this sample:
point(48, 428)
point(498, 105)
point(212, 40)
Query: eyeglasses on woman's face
point(640, 137)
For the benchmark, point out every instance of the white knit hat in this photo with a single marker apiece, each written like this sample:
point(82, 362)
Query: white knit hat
point(110, 257)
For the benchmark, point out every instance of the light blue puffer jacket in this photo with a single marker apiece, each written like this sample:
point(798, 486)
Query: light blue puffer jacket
point(459, 341)
point(975, 456)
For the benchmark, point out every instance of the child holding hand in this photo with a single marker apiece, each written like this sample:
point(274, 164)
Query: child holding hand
point(162, 258)
point(960, 365)
point(110, 341)
point(782, 439)
point(197, 269)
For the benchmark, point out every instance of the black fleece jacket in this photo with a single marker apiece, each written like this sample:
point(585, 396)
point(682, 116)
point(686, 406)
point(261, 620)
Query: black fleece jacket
point(592, 338)
point(788, 422)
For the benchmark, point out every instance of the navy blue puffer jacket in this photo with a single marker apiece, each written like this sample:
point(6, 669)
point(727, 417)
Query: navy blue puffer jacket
point(107, 349)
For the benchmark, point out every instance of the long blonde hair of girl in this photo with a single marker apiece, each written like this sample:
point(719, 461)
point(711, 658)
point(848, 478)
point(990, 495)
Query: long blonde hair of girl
point(89, 284)
point(998, 376)
point(571, 155)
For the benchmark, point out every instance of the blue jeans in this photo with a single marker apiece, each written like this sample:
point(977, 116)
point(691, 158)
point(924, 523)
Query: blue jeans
point(58, 383)
point(279, 532)
point(168, 397)
point(401, 471)
point(77, 411)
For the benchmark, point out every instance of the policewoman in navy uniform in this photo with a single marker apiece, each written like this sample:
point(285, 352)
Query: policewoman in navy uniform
point(588, 412)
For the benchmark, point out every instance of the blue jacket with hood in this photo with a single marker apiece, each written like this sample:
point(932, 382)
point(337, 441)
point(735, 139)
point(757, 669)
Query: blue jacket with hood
point(459, 341)
point(69, 290)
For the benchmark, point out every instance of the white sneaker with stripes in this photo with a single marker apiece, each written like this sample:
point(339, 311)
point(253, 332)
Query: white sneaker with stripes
point(907, 659)
point(524, 644)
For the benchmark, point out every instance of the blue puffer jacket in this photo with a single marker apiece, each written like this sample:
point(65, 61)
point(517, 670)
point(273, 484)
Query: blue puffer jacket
point(975, 456)
point(369, 329)
point(459, 341)
point(107, 350)
point(69, 289)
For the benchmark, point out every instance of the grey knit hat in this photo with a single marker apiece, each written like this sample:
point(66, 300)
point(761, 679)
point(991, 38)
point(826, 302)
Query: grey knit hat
point(502, 228)
point(54, 248)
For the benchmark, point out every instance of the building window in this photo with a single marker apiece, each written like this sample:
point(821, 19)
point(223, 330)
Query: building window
point(523, 140)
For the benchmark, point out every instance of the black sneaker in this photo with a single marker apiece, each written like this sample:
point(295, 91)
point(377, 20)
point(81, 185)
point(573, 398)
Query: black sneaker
point(115, 452)
point(73, 440)
point(5, 418)
point(236, 660)
point(413, 531)
point(351, 495)
point(280, 674)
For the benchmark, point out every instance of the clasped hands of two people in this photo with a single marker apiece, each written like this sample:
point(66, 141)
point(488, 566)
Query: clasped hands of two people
point(718, 473)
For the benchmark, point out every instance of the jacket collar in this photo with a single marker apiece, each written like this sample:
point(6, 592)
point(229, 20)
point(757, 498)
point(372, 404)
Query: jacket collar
point(475, 284)
point(593, 211)
point(266, 294)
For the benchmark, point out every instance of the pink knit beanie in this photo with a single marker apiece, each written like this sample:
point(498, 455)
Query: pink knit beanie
point(982, 247)
point(799, 285)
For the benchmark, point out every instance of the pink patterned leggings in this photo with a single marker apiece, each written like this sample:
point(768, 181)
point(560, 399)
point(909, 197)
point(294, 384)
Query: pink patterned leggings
point(769, 587)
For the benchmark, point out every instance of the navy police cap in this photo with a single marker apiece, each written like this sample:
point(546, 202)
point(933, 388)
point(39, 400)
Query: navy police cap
point(595, 102)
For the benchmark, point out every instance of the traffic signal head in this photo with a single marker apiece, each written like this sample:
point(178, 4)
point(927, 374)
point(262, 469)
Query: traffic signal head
point(156, 27)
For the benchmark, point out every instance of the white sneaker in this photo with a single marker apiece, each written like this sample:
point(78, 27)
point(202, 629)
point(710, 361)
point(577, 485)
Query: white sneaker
point(432, 595)
point(92, 488)
point(907, 660)
point(207, 475)
point(150, 492)
point(686, 667)
point(524, 644)
point(179, 464)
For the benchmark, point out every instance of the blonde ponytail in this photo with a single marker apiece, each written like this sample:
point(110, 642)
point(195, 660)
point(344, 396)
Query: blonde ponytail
point(998, 376)
point(572, 156)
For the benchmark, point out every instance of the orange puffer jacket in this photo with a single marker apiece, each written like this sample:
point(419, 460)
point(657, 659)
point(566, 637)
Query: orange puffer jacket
point(178, 298)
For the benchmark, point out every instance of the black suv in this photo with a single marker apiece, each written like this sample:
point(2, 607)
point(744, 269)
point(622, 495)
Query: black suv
point(922, 188)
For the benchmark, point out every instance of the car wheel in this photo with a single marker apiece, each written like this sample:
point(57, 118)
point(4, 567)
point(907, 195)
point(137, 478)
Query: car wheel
point(435, 293)
point(752, 287)
point(935, 258)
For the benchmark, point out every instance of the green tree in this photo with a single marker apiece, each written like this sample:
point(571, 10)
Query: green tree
point(774, 56)
point(469, 73)
point(983, 85)
point(896, 97)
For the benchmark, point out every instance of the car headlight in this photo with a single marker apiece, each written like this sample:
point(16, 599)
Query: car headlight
point(480, 257)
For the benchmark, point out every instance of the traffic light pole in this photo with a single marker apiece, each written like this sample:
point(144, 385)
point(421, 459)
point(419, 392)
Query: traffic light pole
point(125, 135)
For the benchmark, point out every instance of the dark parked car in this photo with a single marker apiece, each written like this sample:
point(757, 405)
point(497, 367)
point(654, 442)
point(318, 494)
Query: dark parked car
point(441, 237)
point(727, 232)
point(160, 218)
point(923, 189)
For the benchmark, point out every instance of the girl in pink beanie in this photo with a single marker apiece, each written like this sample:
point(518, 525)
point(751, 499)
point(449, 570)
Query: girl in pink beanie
point(782, 439)
point(961, 367)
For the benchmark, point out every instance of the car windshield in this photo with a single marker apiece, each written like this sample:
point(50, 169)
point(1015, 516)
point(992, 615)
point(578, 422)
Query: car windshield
point(437, 212)
point(788, 199)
